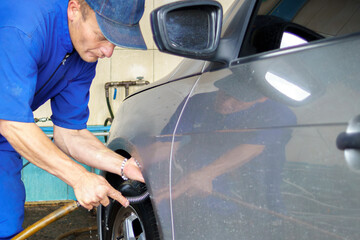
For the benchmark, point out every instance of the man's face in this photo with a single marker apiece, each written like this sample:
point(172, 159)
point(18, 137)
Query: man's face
point(86, 35)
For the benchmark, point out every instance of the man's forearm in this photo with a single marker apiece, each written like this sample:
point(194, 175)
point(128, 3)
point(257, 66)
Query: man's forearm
point(30, 142)
point(233, 159)
point(83, 146)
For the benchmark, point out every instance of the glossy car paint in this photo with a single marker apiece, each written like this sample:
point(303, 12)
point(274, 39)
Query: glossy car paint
point(293, 181)
point(269, 170)
point(140, 132)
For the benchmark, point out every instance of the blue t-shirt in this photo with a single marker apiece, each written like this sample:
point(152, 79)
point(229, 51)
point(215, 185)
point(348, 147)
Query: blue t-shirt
point(38, 63)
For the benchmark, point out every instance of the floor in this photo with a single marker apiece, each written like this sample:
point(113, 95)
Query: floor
point(77, 225)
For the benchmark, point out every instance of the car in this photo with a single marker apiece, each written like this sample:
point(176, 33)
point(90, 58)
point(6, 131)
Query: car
point(255, 135)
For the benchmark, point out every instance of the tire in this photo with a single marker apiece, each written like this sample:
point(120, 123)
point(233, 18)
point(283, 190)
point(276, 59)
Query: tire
point(137, 221)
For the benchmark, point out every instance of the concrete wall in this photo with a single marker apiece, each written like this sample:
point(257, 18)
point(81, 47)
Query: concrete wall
point(126, 65)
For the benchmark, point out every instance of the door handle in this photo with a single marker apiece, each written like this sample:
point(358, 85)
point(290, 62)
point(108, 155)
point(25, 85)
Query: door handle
point(349, 142)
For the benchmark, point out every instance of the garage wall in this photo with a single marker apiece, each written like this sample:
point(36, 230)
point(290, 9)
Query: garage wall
point(126, 65)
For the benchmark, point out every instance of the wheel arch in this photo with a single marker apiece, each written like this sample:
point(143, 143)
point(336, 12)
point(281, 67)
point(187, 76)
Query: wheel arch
point(127, 150)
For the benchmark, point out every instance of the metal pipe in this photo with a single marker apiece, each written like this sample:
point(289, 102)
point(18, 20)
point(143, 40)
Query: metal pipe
point(100, 134)
point(126, 85)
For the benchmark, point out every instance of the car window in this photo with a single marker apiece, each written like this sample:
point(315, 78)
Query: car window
point(289, 39)
point(286, 23)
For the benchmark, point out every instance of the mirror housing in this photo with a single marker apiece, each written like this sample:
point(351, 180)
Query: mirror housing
point(188, 28)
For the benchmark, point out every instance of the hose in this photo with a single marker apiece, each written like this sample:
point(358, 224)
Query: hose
point(24, 166)
point(77, 232)
point(109, 107)
point(57, 214)
point(61, 212)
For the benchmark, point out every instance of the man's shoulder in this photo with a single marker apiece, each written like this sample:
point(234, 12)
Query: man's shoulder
point(28, 15)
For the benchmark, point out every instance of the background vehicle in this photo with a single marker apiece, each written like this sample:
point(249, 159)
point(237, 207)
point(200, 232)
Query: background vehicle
point(256, 139)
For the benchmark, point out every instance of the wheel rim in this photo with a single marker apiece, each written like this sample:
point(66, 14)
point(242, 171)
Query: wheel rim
point(127, 225)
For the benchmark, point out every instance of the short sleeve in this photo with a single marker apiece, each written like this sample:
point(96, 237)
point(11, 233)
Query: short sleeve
point(18, 74)
point(70, 107)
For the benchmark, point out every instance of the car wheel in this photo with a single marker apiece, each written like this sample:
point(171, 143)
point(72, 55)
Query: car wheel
point(136, 222)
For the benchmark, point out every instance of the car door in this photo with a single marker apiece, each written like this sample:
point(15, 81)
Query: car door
point(256, 154)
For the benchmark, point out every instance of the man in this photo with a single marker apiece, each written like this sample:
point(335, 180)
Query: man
point(49, 50)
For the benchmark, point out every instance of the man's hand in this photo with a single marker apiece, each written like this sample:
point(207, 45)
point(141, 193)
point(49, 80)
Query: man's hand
point(132, 171)
point(91, 190)
point(198, 183)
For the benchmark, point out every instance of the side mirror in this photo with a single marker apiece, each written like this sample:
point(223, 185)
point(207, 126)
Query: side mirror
point(188, 28)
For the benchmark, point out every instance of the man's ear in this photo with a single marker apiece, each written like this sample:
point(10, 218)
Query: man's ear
point(73, 10)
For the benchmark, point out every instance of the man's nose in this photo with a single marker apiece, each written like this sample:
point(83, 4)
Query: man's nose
point(107, 50)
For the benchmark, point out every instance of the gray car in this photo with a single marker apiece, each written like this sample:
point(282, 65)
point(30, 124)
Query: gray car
point(256, 135)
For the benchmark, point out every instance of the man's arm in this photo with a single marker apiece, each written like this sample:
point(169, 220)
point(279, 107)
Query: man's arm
point(83, 146)
point(30, 142)
point(200, 181)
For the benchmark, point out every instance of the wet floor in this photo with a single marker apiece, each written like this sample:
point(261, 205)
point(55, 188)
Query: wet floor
point(77, 225)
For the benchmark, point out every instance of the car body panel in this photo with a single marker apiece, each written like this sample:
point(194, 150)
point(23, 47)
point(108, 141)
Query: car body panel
point(140, 131)
point(293, 181)
point(312, 178)
point(186, 68)
point(219, 167)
